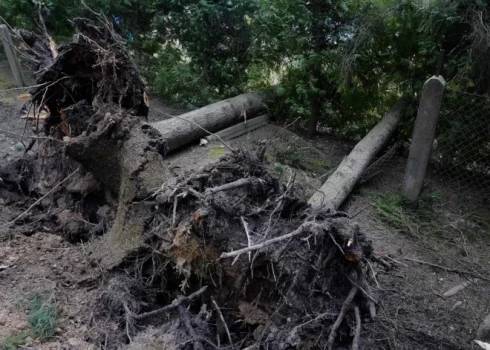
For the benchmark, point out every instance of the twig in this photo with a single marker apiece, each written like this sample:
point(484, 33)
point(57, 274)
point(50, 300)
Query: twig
point(319, 317)
point(307, 226)
point(448, 269)
point(128, 320)
point(175, 304)
point(291, 179)
point(363, 290)
point(364, 287)
point(187, 323)
point(29, 137)
point(218, 310)
point(200, 127)
point(249, 241)
point(24, 87)
point(360, 211)
point(174, 212)
point(40, 199)
point(232, 185)
point(373, 273)
point(335, 242)
point(357, 332)
point(345, 306)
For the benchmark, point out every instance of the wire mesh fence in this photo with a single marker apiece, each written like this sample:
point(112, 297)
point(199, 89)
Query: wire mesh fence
point(461, 148)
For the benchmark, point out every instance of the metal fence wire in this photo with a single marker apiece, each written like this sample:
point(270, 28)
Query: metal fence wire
point(461, 148)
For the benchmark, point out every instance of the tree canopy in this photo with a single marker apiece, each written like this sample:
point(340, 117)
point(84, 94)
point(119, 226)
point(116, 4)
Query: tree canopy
point(338, 62)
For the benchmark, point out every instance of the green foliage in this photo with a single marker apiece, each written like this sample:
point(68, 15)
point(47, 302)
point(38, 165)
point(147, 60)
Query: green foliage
point(216, 151)
point(415, 222)
point(176, 80)
point(43, 320)
point(14, 340)
point(343, 62)
point(294, 155)
point(43, 317)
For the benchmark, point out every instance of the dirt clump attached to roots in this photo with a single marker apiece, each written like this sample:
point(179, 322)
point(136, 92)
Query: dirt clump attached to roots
point(300, 282)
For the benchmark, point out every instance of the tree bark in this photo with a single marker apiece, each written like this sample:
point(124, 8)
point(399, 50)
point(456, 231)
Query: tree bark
point(339, 185)
point(181, 131)
point(314, 114)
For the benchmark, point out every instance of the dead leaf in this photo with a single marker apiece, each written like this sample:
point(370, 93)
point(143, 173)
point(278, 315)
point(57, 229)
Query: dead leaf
point(252, 315)
point(64, 128)
point(31, 116)
point(24, 96)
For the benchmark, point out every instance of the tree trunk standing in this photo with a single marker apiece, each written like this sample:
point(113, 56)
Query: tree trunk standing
point(338, 186)
point(319, 44)
point(315, 107)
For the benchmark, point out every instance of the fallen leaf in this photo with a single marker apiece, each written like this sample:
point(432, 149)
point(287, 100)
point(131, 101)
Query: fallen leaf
point(32, 116)
point(24, 96)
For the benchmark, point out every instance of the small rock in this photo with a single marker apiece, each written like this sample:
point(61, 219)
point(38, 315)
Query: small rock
point(483, 332)
point(77, 344)
point(456, 305)
point(20, 325)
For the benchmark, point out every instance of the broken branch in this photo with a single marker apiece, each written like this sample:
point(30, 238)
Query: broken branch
point(448, 269)
point(345, 306)
point(305, 227)
point(187, 323)
point(218, 310)
point(175, 304)
point(232, 185)
point(357, 332)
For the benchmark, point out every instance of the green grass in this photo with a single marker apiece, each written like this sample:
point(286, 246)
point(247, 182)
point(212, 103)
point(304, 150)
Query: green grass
point(43, 321)
point(426, 219)
point(392, 209)
point(43, 317)
point(216, 151)
point(14, 340)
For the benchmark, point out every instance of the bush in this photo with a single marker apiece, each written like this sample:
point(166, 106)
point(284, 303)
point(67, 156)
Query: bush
point(176, 81)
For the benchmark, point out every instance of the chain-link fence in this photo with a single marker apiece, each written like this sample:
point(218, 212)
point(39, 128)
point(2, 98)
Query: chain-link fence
point(461, 149)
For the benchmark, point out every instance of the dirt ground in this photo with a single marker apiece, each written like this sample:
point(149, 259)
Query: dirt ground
point(413, 312)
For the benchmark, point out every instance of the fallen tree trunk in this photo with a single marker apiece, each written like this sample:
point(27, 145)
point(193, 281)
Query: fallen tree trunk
point(338, 186)
point(194, 125)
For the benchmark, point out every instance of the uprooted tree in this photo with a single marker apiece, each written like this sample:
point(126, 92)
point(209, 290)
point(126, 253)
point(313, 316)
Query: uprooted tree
point(261, 269)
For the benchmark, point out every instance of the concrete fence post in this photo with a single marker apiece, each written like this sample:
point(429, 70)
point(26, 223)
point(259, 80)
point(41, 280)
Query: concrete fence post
point(423, 136)
point(12, 57)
